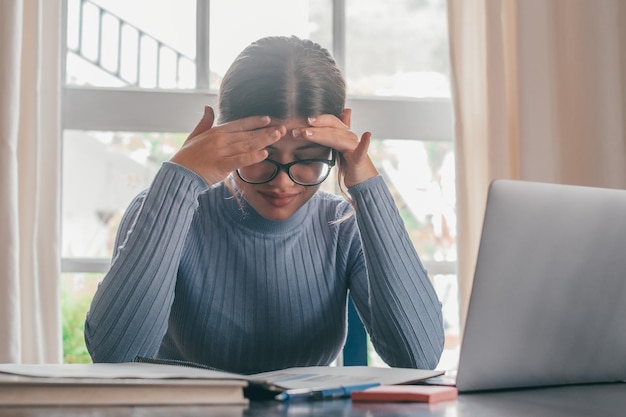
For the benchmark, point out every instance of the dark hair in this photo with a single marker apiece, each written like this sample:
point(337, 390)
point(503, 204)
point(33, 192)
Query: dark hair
point(282, 77)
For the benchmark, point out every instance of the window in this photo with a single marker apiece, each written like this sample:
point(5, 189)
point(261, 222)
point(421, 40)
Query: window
point(137, 75)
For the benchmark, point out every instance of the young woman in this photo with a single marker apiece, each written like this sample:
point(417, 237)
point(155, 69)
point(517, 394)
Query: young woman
point(235, 259)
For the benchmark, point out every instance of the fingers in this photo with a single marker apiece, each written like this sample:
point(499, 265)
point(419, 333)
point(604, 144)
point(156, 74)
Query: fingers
point(249, 134)
point(330, 120)
point(245, 124)
point(364, 144)
point(331, 131)
point(346, 116)
point(253, 140)
point(359, 165)
point(247, 158)
point(205, 123)
point(215, 151)
point(328, 130)
point(245, 135)
point(340, 139)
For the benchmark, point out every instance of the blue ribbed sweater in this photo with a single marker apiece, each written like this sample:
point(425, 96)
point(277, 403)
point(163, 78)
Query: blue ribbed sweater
point(198, 276)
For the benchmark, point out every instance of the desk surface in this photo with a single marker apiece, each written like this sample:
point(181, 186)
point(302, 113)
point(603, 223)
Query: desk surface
point(588, 401)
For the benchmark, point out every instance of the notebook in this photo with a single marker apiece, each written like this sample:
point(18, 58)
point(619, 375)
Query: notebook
point(548, 302)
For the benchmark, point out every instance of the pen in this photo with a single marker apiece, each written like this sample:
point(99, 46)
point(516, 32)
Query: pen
point(322, 394)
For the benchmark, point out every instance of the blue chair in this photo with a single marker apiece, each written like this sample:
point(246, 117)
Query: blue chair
point(355, 349)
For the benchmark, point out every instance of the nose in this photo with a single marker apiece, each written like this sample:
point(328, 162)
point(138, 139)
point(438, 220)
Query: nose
point(282, 179)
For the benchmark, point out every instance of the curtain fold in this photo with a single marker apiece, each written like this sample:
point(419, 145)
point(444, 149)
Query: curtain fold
point(539, 91)
point(30, 322)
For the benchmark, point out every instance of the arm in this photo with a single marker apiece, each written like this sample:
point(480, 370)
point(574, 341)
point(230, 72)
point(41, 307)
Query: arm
point(389, 285)
point(130, 310)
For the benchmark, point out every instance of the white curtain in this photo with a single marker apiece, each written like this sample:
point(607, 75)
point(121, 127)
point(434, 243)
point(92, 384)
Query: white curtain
point(539, 90)
point(30, 330)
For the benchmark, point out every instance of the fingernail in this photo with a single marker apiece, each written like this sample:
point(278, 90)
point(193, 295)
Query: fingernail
point(265, 119)
point(311, 119)
point(308, 132)
point(295, 133)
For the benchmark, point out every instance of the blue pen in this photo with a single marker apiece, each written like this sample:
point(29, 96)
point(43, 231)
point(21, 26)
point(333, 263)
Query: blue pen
point(322, 394)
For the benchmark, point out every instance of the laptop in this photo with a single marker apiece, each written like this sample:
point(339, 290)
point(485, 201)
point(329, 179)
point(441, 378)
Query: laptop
point(548, 302)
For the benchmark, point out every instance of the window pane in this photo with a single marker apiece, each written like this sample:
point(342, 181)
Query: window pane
point(397, 48)
point(421, 178)
point(102, 172)
point(120, 43)
point(234, 25)
point(447, 288)
point(77, 290)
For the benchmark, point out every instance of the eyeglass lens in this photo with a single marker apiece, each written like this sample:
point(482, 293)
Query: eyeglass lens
point(302, 172)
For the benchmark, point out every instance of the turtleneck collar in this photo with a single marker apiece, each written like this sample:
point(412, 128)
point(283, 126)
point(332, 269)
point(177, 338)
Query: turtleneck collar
point(244, 215)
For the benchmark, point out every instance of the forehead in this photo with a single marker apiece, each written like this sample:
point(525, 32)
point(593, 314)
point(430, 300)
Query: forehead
point(290, 123)
point(288, 144)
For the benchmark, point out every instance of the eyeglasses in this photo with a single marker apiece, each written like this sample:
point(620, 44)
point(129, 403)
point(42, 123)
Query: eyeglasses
point(307, 172)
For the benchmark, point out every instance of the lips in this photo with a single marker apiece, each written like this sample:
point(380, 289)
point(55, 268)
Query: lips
point(278, 199)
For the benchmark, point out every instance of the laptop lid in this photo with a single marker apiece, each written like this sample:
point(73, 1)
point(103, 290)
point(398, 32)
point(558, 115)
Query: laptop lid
point(548, 302)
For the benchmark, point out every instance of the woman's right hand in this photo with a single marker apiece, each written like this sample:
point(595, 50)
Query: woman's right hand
point(215, 152)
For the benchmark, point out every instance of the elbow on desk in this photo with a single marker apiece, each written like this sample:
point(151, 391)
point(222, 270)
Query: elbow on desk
point(436, 343)
point(421, 354)
point(416, 361)
point(430, 347)
point(103, 354)
point(111, 345)
point(424, 352)
point(432, 360)
point(97, 348)
point(416, 343)
point(427, 358)
point(91, 345)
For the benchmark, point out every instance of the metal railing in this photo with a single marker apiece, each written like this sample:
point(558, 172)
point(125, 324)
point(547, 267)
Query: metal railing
point(133, 69)
point(89, 20)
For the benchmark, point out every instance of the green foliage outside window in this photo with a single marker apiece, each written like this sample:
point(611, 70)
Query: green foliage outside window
point(73, 309)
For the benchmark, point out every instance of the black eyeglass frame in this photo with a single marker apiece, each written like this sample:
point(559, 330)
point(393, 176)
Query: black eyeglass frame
point(286, 167)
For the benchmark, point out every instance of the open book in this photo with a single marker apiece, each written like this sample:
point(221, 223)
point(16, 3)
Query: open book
point(152, 384)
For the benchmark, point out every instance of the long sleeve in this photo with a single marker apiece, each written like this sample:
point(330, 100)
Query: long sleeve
point(201, 276)
point(392, 291)
point(130, 310)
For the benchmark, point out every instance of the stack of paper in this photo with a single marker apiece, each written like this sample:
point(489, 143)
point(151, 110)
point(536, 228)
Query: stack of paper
point(156, 384)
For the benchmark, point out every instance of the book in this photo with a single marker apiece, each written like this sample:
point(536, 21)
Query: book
point(117, 384)
point(406, 393)
point(140, 383)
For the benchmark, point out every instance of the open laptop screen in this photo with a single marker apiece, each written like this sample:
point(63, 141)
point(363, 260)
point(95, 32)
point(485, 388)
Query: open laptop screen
point(548, 303)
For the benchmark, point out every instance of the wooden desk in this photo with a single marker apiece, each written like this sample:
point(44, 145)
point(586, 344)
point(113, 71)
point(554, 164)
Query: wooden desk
point(604, 400)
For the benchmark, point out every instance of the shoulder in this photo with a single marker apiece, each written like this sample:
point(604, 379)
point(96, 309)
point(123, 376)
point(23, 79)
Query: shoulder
point(217, 194)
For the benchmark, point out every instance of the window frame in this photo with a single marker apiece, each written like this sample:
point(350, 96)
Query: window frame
point(107, 109)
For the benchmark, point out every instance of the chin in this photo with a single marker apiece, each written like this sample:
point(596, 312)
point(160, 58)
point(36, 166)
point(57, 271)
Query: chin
point(276, 212)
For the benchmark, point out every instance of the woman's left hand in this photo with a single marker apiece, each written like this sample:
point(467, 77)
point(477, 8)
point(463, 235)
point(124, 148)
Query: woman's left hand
point(330, 131)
